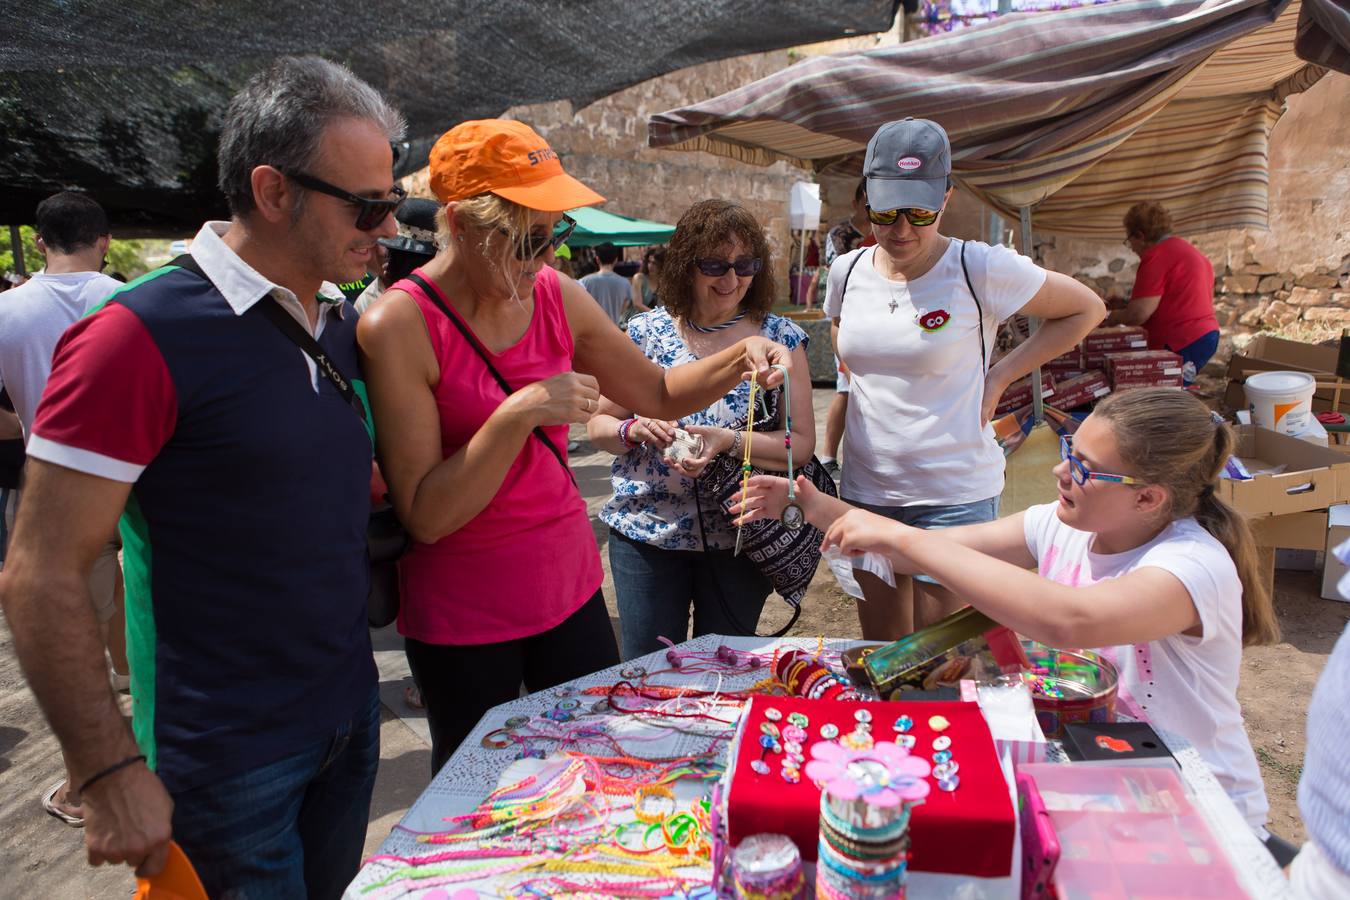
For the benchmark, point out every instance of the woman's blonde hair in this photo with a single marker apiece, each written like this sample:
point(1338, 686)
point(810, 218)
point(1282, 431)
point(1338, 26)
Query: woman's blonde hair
point(489, 212)
point(1169, 438)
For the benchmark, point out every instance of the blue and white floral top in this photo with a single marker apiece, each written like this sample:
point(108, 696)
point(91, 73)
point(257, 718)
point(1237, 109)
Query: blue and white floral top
point(653, 503)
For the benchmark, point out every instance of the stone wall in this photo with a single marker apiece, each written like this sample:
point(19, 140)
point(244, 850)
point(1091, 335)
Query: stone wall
point(605, 145)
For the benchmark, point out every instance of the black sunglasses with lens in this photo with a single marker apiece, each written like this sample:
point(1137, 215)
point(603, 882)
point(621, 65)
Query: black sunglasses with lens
point(716, 268)
point(536, 242)
point(916, 217)
point(369, 213)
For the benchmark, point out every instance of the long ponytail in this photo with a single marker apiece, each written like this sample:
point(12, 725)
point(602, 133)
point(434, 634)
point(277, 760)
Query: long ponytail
point(1155, 430)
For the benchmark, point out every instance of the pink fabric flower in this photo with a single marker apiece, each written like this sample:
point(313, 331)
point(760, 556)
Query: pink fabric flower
point(885, 775)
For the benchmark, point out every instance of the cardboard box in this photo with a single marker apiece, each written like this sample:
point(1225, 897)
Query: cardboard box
point(1143, 363)
point(1115, 338)
point(1074, 392)
point(1127, 384)
point(1066, 362)
point(1268, 353)
point(1019, 393)
point(1295, 531)
point(1291, 560)
point(1313, 479)
point(1333, 570)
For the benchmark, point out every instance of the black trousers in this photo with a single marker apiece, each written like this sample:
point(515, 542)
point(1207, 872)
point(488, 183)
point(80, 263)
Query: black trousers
point(460, 683)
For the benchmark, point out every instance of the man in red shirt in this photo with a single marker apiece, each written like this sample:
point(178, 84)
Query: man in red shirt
point(1173, 296)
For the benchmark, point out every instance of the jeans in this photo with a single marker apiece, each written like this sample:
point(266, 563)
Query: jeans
point(654, 588)
point(292, 828)
point(972, 513)
point(461, 682)
point(1195, 354)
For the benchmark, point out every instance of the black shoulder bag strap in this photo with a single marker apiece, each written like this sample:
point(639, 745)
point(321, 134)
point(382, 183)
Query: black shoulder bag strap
point(539, 432)
point(847, 275)
point(979, 310)
point(296, 333)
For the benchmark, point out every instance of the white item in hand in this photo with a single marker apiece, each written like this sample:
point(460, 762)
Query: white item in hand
point(684, 446)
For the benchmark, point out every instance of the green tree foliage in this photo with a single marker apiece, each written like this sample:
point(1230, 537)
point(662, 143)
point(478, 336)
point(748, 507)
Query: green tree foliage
point(125, 257)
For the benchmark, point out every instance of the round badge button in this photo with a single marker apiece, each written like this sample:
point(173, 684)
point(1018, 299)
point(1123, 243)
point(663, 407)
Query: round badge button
point(942, 742)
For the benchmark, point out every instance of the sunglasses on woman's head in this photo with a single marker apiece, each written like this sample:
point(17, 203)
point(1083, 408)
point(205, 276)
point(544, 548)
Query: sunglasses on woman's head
point(536, 242)
point(369, 213)
point(716, 268)
point(916, 217)
point(1081, 473)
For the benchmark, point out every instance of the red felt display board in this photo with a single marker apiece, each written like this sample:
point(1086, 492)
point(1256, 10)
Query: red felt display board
point(966, 832)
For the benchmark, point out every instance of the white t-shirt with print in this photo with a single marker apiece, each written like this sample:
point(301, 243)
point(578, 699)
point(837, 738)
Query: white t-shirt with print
point(912, 434)
point(1187, 685)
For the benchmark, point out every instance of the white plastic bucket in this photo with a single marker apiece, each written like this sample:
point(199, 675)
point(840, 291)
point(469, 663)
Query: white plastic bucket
point(1281, 401)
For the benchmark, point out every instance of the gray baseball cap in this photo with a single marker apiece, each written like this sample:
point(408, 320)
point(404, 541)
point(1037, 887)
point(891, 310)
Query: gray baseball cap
point(907, 165)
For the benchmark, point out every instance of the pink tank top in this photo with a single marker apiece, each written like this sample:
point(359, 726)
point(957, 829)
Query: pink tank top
point(529, 559)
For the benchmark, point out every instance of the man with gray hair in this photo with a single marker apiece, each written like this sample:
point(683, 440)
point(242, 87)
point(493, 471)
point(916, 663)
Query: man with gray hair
point(211, 401)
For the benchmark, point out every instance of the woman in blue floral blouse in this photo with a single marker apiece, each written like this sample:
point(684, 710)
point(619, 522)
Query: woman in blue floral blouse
point(717, 287)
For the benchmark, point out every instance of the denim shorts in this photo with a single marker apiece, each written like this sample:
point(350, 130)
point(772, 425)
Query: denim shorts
point(926, 517)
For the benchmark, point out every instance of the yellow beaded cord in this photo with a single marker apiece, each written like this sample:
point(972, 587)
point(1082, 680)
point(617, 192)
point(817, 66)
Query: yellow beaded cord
point(745, 458)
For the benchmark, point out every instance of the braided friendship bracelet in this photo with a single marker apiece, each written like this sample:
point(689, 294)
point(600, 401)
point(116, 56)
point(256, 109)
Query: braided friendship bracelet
point(624, 428)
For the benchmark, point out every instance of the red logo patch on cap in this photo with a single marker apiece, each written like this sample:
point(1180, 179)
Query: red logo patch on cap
point(909, 162)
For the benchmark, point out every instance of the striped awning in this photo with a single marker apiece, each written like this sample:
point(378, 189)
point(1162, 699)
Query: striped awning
point(1076, 113)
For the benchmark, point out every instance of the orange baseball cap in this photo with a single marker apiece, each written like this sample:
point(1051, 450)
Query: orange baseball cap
point(506, 158)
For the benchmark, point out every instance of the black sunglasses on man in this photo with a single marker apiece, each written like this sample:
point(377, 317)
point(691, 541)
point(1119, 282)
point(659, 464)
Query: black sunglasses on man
point(369, 213)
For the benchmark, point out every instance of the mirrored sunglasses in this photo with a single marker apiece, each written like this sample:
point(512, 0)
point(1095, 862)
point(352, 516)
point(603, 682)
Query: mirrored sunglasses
point(916, 217)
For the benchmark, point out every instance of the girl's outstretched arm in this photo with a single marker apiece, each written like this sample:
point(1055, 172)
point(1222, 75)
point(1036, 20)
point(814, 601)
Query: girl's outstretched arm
point(1145, 604)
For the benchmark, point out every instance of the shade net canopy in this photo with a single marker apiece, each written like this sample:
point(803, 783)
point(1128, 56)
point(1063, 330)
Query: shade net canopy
point(598, 226)
point(1076, 113)
point(123, 98)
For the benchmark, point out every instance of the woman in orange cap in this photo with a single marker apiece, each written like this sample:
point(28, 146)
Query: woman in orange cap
point(476, 366)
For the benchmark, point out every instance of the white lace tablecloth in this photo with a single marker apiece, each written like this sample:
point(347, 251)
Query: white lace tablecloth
point(474, 771)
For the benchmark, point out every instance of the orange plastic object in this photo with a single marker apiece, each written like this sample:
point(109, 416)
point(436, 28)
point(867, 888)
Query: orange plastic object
point(178, 880)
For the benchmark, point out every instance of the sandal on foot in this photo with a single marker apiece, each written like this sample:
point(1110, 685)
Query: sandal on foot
point(49, 804)
point(412, 695)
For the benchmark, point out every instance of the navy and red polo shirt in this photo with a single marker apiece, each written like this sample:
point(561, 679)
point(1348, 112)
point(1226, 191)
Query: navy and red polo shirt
point(244, 534)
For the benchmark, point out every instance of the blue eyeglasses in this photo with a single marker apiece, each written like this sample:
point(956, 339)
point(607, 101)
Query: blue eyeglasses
point(1081, 473)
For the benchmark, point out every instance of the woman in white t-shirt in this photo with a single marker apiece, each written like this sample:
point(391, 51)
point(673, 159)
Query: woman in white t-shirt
point(1138, 556)
point(915, 319)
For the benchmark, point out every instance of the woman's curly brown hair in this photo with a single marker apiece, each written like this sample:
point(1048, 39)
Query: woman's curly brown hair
point(701, 231)
point(1149, 220)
